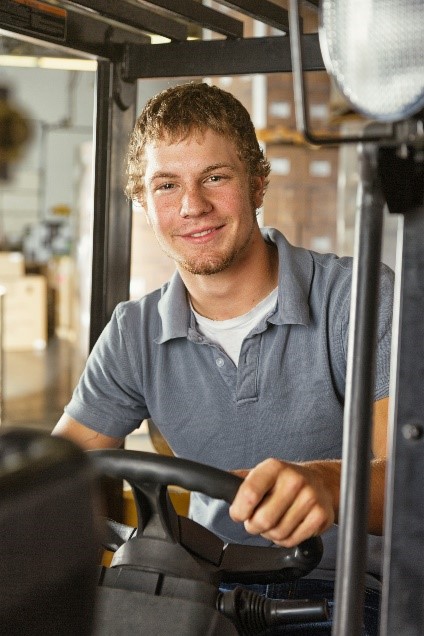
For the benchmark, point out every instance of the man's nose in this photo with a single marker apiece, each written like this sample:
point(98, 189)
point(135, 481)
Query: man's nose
point(194, 202)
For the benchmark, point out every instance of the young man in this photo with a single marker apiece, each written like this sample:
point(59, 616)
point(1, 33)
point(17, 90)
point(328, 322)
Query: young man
point(240, 359)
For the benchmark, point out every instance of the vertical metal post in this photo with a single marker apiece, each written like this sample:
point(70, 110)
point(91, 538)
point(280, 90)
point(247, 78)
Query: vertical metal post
point(115, 115)
point(103, 126)
point(402, 609)
point(353, 516)
point(2, 295)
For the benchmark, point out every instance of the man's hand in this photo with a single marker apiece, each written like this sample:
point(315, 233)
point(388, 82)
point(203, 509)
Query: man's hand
point(290, 502)
point(287, 503)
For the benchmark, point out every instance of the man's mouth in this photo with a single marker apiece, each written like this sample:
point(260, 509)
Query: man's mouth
point(199, 234)
point(203, 233)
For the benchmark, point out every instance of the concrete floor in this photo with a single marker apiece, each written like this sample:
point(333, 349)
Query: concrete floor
point(37, 385)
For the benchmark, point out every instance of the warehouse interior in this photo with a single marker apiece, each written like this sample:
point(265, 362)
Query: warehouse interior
point(46, 210)
point(73, 77)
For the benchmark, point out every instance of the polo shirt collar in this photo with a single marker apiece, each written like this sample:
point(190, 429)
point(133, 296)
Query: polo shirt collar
point(295, 277)
point(174, 310)
point(295, 266)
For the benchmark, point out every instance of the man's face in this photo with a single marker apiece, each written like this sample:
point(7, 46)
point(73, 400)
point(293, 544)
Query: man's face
point(200, 202)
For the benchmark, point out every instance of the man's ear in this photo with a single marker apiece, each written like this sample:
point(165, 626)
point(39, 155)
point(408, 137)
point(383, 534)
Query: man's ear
point(138, 205)
point(258, 190)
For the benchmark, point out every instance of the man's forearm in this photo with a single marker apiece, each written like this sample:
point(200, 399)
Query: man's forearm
point(330, 471)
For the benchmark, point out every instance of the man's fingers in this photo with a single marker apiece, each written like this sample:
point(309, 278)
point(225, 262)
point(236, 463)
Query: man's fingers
point(313, 524)
point(283, 502)
point(259, 481)
point(282, 511)
point(240, 472)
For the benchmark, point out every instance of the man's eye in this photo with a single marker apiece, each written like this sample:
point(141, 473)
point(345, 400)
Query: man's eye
point(215, 178)
point(165, 186)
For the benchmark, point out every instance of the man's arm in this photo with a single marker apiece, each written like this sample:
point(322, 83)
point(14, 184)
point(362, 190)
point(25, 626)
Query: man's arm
point(85, 437)
point(289, 502)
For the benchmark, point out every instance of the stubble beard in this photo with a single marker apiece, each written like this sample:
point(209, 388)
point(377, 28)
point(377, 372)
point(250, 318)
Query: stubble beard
point(208, 265)
point(207, 268)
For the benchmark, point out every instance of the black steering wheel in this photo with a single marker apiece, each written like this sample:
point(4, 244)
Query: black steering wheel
point(165, 547)
point(150, 474)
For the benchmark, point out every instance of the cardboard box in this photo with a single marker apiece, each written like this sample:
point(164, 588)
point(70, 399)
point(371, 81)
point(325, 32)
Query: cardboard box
point(12, 265)
point(61, 279)
point(25, 314)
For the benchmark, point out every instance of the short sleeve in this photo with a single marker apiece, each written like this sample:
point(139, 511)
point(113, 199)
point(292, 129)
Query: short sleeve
point(108, 397)
point(384, 331)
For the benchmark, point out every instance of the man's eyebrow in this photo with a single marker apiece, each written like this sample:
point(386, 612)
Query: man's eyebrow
point(172, 175)
point(162, 175)
point(217, 166)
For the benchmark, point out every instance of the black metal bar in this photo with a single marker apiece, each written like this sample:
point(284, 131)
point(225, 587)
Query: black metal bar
point(193, 11)
point(112, 490)
point(261, 10)
point(98, 36)
point(2, 357)
point(112, 213)
point(120, 210)
point(218, 57)
point(354, 495)
point(403, 575)
point(134, 15)
point(111, 268)
point(103, 119)
point(85, 34)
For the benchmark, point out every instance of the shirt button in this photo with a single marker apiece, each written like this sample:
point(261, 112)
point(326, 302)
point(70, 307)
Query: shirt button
point(220, 362)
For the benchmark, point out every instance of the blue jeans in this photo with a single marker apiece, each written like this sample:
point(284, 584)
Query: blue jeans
point(314, 589)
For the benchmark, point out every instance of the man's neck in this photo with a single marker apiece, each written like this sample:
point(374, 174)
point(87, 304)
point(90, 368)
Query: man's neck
point(236, 290)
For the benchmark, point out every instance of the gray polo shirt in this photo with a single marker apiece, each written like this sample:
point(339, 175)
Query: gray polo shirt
point(285, 399)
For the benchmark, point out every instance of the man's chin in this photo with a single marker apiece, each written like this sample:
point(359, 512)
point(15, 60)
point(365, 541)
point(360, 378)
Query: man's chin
point(205, 268)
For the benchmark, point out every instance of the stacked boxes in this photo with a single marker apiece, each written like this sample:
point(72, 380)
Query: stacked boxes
point(60, 278)
point(12, 265)
point(301, 199)
point(24, 304)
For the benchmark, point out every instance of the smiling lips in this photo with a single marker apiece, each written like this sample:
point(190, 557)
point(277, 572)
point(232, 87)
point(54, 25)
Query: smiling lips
point(195, 234)
point(202, 233)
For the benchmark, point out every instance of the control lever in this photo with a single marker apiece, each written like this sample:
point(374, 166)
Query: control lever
point(252, 614)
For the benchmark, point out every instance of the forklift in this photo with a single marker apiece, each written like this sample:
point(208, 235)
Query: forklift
point(66, 591)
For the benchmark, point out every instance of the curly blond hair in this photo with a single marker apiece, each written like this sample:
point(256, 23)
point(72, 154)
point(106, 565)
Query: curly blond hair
point(176, 112)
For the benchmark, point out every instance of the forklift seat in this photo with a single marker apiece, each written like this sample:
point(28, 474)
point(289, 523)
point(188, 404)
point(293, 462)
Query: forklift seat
point(49, 536)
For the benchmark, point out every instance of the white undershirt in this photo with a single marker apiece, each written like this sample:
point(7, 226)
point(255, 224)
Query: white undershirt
point(229, 334)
